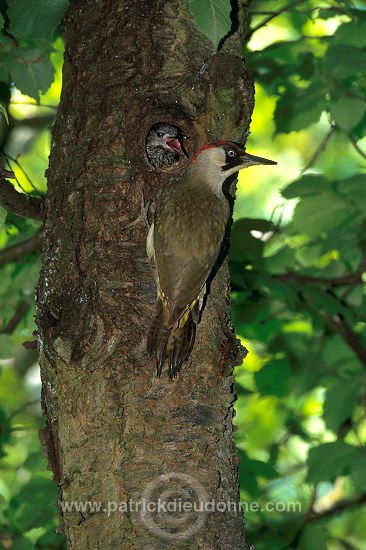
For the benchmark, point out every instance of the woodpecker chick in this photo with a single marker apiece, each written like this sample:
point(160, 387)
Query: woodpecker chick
point(185, 240)
point(164, 145)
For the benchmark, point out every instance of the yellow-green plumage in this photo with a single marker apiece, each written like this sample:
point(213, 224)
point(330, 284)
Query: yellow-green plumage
point(189, 226)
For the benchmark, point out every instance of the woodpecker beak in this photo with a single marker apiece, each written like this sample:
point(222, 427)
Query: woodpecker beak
point(175, 145)
point(249, 160)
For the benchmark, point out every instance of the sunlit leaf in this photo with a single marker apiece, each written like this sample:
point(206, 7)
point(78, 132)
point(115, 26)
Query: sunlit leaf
point(212, 18)
point(32, 73)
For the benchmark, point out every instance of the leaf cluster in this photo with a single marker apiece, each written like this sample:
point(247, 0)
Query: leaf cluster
point(298, 288)
point(28, 29)
point(28, 515)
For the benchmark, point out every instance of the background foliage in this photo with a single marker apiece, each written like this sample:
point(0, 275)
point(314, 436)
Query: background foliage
point(297, 263)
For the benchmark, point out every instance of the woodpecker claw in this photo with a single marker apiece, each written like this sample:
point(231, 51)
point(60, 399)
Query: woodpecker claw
point(144, 214)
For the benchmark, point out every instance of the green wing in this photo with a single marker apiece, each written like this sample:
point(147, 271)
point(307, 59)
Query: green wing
point(190, 225)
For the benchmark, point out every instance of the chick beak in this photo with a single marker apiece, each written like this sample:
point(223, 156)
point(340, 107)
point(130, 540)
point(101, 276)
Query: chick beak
point(174, 144)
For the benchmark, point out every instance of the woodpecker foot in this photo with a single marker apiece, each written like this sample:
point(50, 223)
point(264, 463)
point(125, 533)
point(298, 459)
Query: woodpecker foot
point(146, 209)
point(144, 214)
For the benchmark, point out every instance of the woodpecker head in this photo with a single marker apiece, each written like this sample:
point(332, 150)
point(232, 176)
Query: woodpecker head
point(219, 159)
point(164, 145)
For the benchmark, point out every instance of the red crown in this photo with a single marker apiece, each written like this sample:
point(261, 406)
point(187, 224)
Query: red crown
point(215, 143)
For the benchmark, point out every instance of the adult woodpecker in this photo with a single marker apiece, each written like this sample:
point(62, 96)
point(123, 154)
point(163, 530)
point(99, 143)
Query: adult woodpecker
point(185, 240)
point(164, 145)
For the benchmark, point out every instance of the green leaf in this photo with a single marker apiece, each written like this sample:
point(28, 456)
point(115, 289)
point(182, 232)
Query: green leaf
point(347, 112)
point(289, 117)
point(354, 189)
point(306, 186)
point(358, 474)
point(3, 502)
point(273, 377)
point(32, 73)
point(306, 67)
point(308, 256)
point(244, 245)
point(313, 537)
point(330, 460)
point(3, 214)
point(49, 540)
point(339, 359)
point(250, 470)
point(326, 301)
point(22, 543)
point(35, 19)
point(340, 402)
point(4, 112)
point(7, 350)
point(212, 18)
point(5, 432)
point(318, 214)
point(351, 33)
point(343, 61)
point(280, 262)
point(32, 503)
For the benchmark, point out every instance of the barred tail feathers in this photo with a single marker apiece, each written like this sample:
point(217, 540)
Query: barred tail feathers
point(172, 344)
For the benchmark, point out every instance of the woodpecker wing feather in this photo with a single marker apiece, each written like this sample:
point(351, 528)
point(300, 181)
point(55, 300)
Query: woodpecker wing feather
point(187, 240)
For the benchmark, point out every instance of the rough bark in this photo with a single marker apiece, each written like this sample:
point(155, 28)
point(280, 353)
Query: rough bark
point(112, 426)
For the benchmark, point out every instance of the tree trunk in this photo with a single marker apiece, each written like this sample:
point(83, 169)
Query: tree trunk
point(114, 432)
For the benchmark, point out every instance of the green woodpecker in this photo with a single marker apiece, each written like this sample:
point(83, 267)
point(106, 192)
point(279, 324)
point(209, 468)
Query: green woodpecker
point(185, 240)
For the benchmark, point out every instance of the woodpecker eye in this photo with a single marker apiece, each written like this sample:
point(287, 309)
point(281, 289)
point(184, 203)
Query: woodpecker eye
point(231, 153)
point(159, 134)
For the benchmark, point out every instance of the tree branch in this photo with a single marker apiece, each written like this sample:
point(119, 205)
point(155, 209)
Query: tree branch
point(340, 325)
point(345, 280)
point(19, 203)
point(9, 159)
point(274, 14)
point(19, 411)
point(356, 146)
point(18, 251)
point(350, 279)
point(321, 147)
point(17, 317)
point(337, 322)
point(337, 508)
